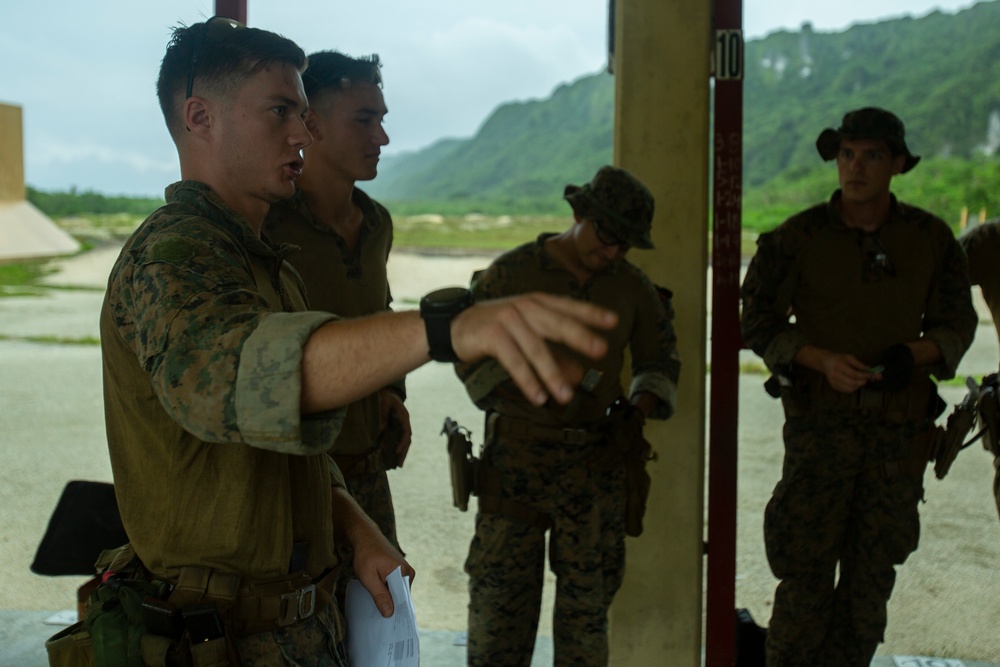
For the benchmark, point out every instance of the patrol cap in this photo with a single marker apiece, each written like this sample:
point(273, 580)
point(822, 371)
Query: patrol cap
point(618, 201)
point(868, 123)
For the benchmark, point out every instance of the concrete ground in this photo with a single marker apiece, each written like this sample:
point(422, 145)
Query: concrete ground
point(51, 431)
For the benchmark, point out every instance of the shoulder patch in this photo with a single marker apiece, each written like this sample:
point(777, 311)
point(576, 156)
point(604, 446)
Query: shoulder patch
point(172, 250)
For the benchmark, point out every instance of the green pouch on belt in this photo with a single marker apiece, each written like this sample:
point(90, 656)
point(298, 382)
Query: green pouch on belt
point(70, 647)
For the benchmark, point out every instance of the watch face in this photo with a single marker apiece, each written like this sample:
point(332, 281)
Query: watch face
point(437, 309)
point(447, 295)
point(448, 299)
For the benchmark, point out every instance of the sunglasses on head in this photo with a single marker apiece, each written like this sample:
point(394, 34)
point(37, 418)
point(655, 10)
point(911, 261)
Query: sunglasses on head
point(217, 28)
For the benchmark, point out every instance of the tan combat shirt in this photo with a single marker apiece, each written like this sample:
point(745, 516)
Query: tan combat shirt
point(856, 292)
point(645, 327)
point(201, 337)
point(350, 284)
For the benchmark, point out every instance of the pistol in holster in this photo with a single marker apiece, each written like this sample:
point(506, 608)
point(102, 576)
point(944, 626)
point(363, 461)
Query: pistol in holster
point(625, 423)
point(950, 440)
point(462, 463)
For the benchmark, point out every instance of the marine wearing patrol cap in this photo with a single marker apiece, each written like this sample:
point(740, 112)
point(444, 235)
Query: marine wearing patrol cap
point(617, 200)
point(868, 123)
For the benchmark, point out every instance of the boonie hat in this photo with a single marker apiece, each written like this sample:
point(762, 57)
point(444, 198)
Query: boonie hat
point(868, 123)
point(618, 201)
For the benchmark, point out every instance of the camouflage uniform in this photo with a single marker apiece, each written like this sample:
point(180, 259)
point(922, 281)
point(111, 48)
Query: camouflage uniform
point(567, 481)
point(982, 247)
point(853, 469)
point(214, 465)
point(349, 284)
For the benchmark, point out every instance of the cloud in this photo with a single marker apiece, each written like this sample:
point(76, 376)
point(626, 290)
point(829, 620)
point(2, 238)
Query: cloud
point(48, 149)
point(447, 82)
point(83, 72)
point(53, 162)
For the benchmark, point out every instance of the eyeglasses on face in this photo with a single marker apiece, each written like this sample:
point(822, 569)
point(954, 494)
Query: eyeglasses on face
point(608, 238)
point(217, 29)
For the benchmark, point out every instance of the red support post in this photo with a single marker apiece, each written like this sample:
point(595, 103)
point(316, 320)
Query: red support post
point(720, 622)
point(232, 9)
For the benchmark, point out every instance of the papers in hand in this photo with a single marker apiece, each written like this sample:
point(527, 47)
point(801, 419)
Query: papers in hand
point(374, 641)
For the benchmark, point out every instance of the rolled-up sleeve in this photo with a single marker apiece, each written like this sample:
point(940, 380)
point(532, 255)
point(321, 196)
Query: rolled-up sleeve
point(268, 388)
point(656, 365)
point(223, 364)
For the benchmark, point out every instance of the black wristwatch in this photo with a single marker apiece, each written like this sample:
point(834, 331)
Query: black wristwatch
point(438, 309)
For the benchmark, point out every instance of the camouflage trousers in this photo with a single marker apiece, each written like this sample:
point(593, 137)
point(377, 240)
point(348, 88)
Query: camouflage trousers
point(837, 524)
point(373, 495)
point(312, 643)
point(586, 504)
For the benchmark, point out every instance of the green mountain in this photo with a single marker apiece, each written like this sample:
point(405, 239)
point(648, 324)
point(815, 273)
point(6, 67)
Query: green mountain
point(940, 73)
point(522, 154)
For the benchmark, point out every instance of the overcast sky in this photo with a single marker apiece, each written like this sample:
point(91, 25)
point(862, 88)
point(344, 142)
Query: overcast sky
point(83, 71)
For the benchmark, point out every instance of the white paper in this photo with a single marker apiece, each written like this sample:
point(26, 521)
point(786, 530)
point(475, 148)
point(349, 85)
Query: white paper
point(374, 641)
point(919, 661)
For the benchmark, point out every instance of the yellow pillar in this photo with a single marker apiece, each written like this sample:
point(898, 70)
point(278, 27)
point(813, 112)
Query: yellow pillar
point(662, 135)
point(11, 154)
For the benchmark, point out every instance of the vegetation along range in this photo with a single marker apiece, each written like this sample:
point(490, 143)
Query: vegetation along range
point(941, 72)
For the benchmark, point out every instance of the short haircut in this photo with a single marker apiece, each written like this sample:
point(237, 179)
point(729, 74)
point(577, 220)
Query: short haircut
point(332, 70)
point(219, 55)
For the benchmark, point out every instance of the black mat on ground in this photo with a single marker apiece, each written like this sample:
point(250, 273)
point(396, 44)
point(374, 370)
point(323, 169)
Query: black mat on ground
point(85, 523)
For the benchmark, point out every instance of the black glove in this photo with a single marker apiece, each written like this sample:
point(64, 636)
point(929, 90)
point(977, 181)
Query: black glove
point(897, 363)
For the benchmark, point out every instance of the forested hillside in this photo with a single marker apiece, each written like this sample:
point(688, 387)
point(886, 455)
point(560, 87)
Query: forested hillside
point(522, 154)
point(940, 73)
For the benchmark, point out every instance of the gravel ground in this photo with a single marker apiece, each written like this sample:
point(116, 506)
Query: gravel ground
point(947, 595)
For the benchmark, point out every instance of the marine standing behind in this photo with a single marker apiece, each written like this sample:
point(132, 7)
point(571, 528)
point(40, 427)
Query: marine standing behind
point(560, 469)
point(852, 304)
point(344, 238)
point(982, 247)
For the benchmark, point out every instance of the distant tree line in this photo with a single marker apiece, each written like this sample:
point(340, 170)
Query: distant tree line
point(73, 202)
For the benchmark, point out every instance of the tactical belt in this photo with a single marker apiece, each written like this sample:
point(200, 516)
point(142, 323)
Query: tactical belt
point(356, 465)
point(511, 427)
point(255, 606)
point(910, 404)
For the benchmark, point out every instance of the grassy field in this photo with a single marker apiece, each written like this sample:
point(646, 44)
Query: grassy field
point(472, 232)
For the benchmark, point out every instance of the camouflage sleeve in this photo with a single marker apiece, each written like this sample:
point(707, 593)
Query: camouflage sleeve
point(950, 319)
point(767, 300)
point(656, 366)
point(268, 388)
point(481, 378)
point(224, 366)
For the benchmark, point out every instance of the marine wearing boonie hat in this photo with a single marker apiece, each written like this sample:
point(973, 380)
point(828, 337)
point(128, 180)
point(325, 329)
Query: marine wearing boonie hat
point(618, 201)
point(868, 123)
